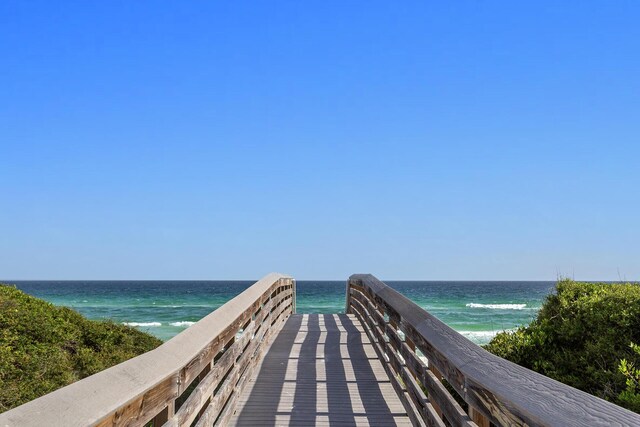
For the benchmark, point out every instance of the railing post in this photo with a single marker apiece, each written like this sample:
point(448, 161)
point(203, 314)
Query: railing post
point(292, 283)
point(346, 307)
point(293, 290)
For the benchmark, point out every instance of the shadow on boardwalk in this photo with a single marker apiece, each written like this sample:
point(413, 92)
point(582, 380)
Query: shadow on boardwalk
point(320, 370)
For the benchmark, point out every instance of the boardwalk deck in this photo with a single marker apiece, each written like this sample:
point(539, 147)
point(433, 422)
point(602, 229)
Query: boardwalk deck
point(320, 370)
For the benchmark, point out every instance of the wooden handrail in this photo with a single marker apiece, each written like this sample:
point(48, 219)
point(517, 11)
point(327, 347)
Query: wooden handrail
point(429, 363)
point(197, 375)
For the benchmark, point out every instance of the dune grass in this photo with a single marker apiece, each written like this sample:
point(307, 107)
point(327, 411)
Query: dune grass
point(44, 347)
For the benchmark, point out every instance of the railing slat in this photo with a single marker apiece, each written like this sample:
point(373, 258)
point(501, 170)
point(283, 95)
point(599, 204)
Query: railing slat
point(420, 400)
point(195, 366)
point(228, 411)
point(220, 407)
point(189, 409)
point(448, 405)
point(380, 344)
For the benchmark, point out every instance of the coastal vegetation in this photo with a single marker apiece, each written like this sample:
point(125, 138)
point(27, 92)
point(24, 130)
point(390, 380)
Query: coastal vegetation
point(44, 347)
point(586, 336)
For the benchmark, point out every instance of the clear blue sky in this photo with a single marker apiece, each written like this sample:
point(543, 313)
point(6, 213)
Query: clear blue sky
point(413, 140)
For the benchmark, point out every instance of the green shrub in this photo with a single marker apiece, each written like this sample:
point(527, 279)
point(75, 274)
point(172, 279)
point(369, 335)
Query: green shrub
point(44, 347)
point(630, 397)
point(579, 337)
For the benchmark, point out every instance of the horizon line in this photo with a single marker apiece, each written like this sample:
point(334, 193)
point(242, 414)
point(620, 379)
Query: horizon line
point(6, 281)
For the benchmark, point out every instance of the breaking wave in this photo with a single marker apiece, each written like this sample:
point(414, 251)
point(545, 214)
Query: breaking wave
point(183, 324)
point(482, 337)
point(148, 324)
point(498, 306)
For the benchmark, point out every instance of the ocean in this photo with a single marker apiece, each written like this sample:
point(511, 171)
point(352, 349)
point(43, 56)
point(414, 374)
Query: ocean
point(478, 310)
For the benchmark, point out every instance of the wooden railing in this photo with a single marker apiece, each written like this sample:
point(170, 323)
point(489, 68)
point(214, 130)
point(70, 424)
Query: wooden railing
point(194, 377)
point(444, 379)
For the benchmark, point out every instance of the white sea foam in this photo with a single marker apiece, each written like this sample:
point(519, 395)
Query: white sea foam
point(481, 337)
point(142, 324)
point(184, 324)
point(498, 306)
point(185, 306)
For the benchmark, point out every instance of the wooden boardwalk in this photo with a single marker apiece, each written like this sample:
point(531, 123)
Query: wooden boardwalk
point(320, 370)
point(255, 362)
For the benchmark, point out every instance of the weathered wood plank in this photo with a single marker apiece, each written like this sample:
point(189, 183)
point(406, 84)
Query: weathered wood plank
point(144, 408)
point(221, 404)
point(197, 364)
point(236, 355)
point(388, 361)
point(437, 392)
point(244, 365)
point(429, 414)
point(428, 411)
point(317, 372)
point(478, 418)
point(192, 406)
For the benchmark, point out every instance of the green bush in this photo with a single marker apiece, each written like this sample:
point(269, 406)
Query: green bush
point(580, 336)
point(630, 397)
point(44, 347)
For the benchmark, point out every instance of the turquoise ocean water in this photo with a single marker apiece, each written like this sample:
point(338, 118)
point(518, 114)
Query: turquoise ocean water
point(478, 310)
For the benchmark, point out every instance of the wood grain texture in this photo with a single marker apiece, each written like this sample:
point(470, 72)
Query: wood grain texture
point(505, 393)
point(222, 405)
point(430, 411)
point(449, 407)
point(319, 370)
point(371, 316)
point(420, 401)
point(190, 408)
